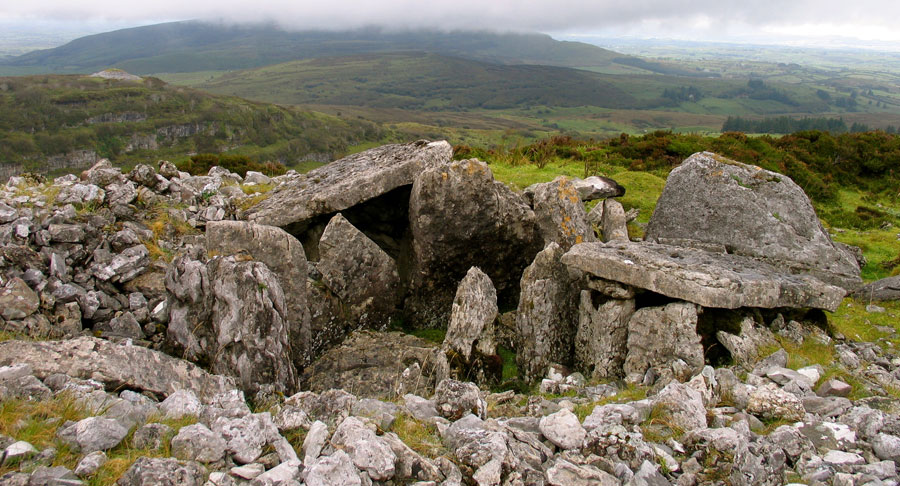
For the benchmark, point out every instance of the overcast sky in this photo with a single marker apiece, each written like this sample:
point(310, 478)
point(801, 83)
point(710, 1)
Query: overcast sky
point(805, 21)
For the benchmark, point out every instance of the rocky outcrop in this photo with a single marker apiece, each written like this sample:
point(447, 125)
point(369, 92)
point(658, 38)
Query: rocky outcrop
point(560, 213)
point(749, 211)
point(546, 318)
point(375, 365)
point(114, 365)
point(880, 290)
point(284, 256)
point(347, 182)
point(461, 217)
point(705, 278)
point(360, 273)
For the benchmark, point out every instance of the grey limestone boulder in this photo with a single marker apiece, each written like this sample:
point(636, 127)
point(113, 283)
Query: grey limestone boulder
point(94, 434)
point(453, 399)
point(563, 429)
point(710, 279)
point(197, 443)
point(17, 300)
point(565, 473)
point(90, 464)
point(683, 404)
point(659, 335)
point(546, 317)
point(597, 187)
point(560, 213)
point(114, 365)
point(744, 347)
point(880, 290)
point(749, 211)
point(334, 470)
point(359, 272)
point(461, 217)
point(283, 255)
point(163, 472)
point(368, 452)
point(772, 403)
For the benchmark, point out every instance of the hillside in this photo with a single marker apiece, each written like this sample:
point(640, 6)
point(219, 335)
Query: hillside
point(195, 46)
point(419, 81)
point(55, 122)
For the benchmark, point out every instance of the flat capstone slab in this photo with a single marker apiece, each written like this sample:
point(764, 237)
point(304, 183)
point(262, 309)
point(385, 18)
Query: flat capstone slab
point(709, 279)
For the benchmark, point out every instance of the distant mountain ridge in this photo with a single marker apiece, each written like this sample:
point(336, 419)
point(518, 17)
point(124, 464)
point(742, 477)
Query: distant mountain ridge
point(191, 46)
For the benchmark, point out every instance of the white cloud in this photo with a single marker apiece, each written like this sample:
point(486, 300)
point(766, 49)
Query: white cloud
point(681, 18)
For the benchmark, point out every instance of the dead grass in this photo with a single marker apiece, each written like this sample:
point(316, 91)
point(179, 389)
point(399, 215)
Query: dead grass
point(420, 437)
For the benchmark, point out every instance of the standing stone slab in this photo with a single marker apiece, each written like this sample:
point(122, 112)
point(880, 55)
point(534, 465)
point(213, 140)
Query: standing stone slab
point(230, 313)
point(705, 278)
point(472, 316)
point(612, 221)
point(659, 335)
point(347, 182)
point(284, 256)
point(560, 213)
point(748, 211)
point(359, 272)
point(461, 217)
point(602, 337)
point(547, 314)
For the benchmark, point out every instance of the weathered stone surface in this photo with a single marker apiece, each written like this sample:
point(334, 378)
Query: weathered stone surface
point(752, 212)
point(163, 472)
point(284, 256)
point(94, 434)
point(612, 223)
point(773, 403)
point(470, 343)
point(151, 436)
point(684, 405)
point(659, 335)
point(246, 436)
point(880, 290)
point(709, 279)
point(602, 337)
point(453, 399)
point(115, 365)
point(560, 213)
point(90, 464)
point(359, 272)
point(334, 470)
point(546, 316)
point(744, 347)
point(375, 365)
point(348, 181)
point(887, 447)
point(565, 473)
point(125, 266)
point(597, 187)
point(231, 314)
point(834, 388)
point(369, 452)
point(17, 300)
point(563, 429)
point(197, 443)
point(461, 217)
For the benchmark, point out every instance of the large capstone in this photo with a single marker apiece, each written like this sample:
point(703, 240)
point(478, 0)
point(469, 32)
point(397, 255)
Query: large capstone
point(748, 211)
point(706, 278)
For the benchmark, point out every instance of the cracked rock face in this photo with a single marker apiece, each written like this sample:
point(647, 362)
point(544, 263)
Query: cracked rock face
point(748, 211)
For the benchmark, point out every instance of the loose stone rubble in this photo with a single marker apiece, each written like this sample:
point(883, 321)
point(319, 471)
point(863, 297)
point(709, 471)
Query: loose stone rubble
point(174, 300)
